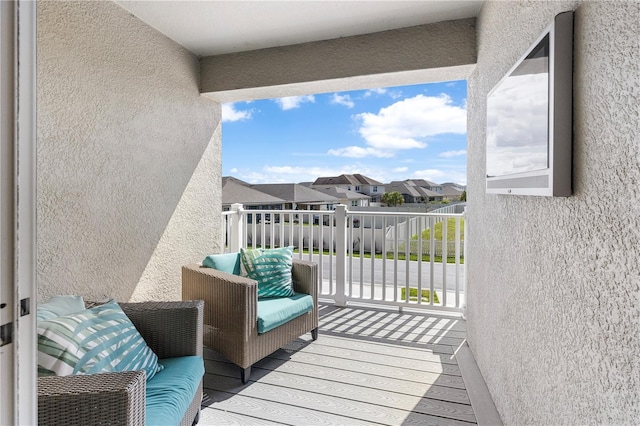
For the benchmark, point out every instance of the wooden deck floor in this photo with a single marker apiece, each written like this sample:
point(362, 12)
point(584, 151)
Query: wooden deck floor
point(369, 366)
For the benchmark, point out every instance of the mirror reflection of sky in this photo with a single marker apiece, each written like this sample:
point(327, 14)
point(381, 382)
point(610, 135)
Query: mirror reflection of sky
point(517, 126)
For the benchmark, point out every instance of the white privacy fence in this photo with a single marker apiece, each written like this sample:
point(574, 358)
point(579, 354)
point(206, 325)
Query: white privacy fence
point(365, 256)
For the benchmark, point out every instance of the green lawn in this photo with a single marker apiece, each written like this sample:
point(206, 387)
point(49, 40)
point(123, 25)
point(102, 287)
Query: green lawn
point(413, 295)
point(451, 231)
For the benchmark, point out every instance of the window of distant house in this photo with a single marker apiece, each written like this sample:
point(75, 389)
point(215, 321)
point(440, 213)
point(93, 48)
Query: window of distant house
point(348, 188)
point(357, 188)
point(354, 203)
point(375, 189)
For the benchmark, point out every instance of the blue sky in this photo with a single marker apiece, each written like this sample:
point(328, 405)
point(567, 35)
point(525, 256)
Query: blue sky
point(394, 133)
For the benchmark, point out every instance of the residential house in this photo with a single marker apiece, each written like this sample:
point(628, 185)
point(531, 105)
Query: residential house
point(356, 182)
point(413, 193)
point(423, 183)
point(118, 194)
point(237, 191)
point(344, 196)
point(451, 191)
point(298, 196)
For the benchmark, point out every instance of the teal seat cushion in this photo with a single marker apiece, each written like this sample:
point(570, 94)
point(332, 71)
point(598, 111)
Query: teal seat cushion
point(278, 310)
point(172, 389)
point(227, 262)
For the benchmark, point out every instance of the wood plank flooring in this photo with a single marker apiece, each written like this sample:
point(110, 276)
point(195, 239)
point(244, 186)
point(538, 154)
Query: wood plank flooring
point(369, 366)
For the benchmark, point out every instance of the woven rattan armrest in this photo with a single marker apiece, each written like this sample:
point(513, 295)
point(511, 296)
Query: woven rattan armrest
point(222, 293)
point(108, 398)
point(171, 329)
point(305, 277)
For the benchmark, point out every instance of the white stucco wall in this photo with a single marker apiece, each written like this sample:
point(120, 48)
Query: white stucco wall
point(554, 298)
point(128, 168)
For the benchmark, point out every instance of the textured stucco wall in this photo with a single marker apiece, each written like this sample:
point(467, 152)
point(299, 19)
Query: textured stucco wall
point(128, 156)
point(554, 299)
point(450, 44)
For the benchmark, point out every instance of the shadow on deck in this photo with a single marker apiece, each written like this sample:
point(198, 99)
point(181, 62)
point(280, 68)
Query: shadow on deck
point(369, 366)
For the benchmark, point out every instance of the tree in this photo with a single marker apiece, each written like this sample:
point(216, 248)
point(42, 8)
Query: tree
point(463, 196)
point(392, 199)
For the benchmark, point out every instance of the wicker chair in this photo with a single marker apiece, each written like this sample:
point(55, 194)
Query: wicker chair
point(230, 312)
point(170, 329)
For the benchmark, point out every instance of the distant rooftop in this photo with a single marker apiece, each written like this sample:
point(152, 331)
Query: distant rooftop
point(344, 179)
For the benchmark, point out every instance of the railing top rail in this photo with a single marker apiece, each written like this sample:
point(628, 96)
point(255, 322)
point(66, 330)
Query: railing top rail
point(412, 214)
point(288, 211)
point(349, 212)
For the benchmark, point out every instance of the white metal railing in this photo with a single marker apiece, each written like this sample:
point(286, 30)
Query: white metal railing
point(365, 256)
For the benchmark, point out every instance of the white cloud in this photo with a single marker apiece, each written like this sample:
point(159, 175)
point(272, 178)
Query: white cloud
point(292, 102)
point(359, 152)
point(342, 100)
point(404, 124)
point(378, 91)
point(449, 154)
point(234, 170)
point(295, 174)
point(394, 94)
point(230, 113)
point(441, 176)
point(400, 170)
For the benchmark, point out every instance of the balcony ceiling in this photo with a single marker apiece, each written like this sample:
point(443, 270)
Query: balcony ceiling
point(217, 27)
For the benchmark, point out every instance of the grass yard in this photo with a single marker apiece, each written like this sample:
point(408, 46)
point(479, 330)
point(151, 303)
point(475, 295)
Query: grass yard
point(413, 295)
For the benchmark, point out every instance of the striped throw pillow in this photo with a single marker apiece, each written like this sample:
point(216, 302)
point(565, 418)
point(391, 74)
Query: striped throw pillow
point(271, 268)
point(97, 340)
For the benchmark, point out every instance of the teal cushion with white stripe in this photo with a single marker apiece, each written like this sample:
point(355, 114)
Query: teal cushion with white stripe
point(271, 268)
point(97, 340)
point(59, 305)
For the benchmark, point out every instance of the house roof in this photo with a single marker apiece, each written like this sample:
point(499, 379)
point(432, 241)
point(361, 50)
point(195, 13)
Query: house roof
point(422, 182)
point(341, 193)
point(344, 179)
point(293, 192)
point(237, 191)
point(450, 190)
point(408, 187)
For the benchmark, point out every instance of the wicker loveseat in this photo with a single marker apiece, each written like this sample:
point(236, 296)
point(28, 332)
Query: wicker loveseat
point(170, 329)
point(231, 312)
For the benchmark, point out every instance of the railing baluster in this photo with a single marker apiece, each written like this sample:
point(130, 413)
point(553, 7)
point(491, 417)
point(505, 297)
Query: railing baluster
point(384, 257)
point(395, 257)
point(300, 235)
point(372, 252)
point(332, 258)
point(457, 262)
point(341, 253)
point(445, 255)
point(350, 254)
point(361, 256)
point(432, 258)
point(407, 250)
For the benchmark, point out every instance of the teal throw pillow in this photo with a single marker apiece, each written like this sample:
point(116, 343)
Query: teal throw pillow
point(271, 268)
point(97, 340)
point(58, 306)
point(227, 262)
